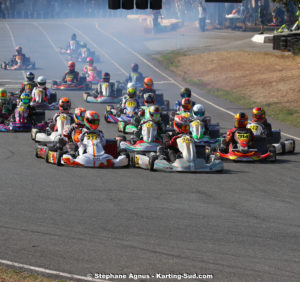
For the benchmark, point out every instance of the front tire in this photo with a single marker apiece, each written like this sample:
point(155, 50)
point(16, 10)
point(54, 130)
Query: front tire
point(152, 160)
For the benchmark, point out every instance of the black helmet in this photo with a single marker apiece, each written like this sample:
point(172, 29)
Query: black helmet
point(186, 93)
point(30, 76)
point(73, 37)
point(135, 67)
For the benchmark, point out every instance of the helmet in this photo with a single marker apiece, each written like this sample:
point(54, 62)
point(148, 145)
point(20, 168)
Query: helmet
point(25, 99)
point(64, 105)
point(106, 77)
point(79, 115)
point(148, 82)
point(131, 93)
point(3, 94)
point(92, 120)
point(90, 61)
point(258, 114)
point(186, 93)
point(19, 50)
point(198, 111)
point(71, 65)
point(240, 120)
point(30, 76)
point(186, 104)
point(154, 113)
point(181, 124)
point(131, 85)
point(149, 99)
point(41, 81)
point(73, 37)
point(135, 67)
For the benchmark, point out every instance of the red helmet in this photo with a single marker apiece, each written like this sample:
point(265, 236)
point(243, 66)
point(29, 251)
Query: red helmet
point(106, 77)
point(92, 120)
point(148, 83)
point(258, 114)
point(90, 61)
point(240, 120)
point(71, 65)
point(186, 104)
point(79, 115)
point(181, 124)
point(64, 105)
point(19, 50)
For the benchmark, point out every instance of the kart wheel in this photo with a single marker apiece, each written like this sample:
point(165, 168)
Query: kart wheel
point(58, 158)
point(272, 150)
point(123, 152)
point(46, 155)
point(167, 105)
point(36, 152)
point(119, 139)
point(152, 160)
point(294, 145)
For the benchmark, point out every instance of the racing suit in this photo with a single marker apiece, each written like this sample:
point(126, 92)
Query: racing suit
point(87, 69)
point(177, 106)
point(123, 105)
point(46, 94)
point(206, 122)
point(27, 87)
point(70, 138)
point(160, 129)
point(13, 60)
point(266, 125)
point(30, 110)
point(73, 73)
point(83, 138)
point(230, 138)
point(99, 90)
point(136, 77)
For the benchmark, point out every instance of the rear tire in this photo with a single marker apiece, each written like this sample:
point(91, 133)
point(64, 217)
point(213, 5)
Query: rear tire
point(152, 160)
point(272, 150)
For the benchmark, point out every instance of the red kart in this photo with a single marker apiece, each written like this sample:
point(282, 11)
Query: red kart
point(242, 152)
point(82, 84)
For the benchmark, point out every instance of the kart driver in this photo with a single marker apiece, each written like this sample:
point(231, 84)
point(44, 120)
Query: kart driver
point(41, 85)
point(90, 66)
point(64, 106)
point(18, 53)
point(131, 95)
point(73, 43)
point(25, 103)
point(198, 113)
point(71, 73)
point(259, 116)
point(28, 86)
point(5, 106)
point(148, 87)
point(185, 93)
point(240, 122)
point(135, 76)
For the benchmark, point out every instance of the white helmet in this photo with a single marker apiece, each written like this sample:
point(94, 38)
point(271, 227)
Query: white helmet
point(131, 85)
point(198, 111)
point(41, 81)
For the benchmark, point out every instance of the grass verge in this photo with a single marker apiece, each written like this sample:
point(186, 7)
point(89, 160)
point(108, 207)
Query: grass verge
point(9, 275)
point(170, 60)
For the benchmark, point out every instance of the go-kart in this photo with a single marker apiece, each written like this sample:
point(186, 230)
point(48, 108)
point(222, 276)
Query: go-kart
point(242, 152)
point(147, 144)
point(47, 136)
point(281, 147)
point(110, 92)
point(189, 159)
point(19, 121)
point(18, 64)
point(40, 104)
point(82, 84)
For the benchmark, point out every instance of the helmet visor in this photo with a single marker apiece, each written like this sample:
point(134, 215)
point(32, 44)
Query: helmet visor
point(25, 101)
point(93, 121)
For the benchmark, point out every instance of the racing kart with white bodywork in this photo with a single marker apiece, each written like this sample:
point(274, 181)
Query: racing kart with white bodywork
point(189, 159)
point(282, 147)
point(107, 92)
point(47, 136)
point(19, 63)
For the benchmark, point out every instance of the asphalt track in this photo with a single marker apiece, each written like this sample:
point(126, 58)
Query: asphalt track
point(240, 225)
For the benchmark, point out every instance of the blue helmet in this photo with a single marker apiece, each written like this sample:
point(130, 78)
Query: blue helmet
point(30, 76)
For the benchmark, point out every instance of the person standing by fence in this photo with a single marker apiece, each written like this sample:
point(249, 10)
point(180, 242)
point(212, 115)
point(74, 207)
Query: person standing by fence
point(202, 15)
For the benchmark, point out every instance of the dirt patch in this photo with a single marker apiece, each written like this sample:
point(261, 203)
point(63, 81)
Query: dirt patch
point(261, 77)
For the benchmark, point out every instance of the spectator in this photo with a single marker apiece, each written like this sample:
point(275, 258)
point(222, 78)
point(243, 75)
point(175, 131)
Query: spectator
point(262, 16)
point(202, 15)
point(243, 15)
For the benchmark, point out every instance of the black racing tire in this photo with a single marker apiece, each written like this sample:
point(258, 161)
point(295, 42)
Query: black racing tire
point(152, 160)
point(59, 156)
point(272, 150)
point(294, 145)
point(167, 105)
point(46, 155)
point(36, 152)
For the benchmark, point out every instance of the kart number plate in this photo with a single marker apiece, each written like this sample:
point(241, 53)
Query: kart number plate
point(131, 104)
point(186, 140)
point(105, 85)
point(196, 123)
point(92, 137)
point(253, 127)
point(149, 125)
point(243, 135)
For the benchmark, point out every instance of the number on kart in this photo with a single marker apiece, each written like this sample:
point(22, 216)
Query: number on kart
point(253, 127)
point(149, 125)
point(92, 137)
point(243, 136)
point(130, 104)
point(186, 140)
point(105, 85)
